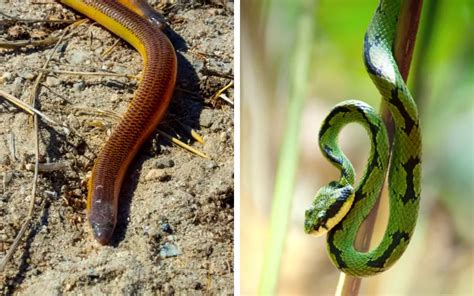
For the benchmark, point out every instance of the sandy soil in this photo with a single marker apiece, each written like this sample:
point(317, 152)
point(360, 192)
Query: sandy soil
point(175, 230)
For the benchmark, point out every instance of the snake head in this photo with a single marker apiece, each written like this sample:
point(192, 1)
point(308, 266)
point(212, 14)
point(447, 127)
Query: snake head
point(102, 213)
point(331, 204)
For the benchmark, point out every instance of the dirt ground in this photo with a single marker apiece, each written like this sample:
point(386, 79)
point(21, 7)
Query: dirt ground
point(175, 229)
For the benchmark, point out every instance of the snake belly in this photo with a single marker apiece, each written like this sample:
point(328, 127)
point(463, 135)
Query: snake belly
point(147, 108)
point(339, 208)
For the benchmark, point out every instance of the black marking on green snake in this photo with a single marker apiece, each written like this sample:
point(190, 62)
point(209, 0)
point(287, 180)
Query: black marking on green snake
point(333, 249)
point(396, 240)
point(409, 166)
point(327, 122)
point(374, 130)
point(336, 184)
point(332, 157)
point(395, 101)
point(335, 159)
point(337, 205)
point(371, 68)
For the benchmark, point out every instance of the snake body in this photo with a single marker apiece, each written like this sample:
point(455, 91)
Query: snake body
point(339, 208)
point(147, 108)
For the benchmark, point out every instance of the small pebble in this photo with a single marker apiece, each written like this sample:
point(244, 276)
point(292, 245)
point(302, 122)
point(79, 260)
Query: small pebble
point(52, 81)
point(198, 286)
point(164, 163)
point(17, 86)
point(114, 83)
point(166, 228)
point(51, 194)
point(169, 250)
point(211, 165)
point(223, 137)
point(6, 77)
point(159, 174)
point(79, 57)
point(73, 121)
point(28, 75)
point(214, 11)
point(216, 126)
point(44, 229)
point(7, 178)
point(79, 86)
point(91, 273)
point(206, 118)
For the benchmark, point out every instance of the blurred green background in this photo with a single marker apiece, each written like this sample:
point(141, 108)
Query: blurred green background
point(440, 258)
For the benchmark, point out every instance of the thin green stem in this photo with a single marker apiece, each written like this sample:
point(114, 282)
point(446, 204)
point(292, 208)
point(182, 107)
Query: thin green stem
point(288, 157)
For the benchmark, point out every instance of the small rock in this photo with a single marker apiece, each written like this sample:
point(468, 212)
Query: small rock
point(198, 286)
point(7, 178)
point(211, 165)
point(215, 11)
point(115, 83)
point(216, 126)
point(164, 163)
point(51, 194)
point(223, 137)
point(52, 81)
point(79, 86)
point(159, 174)
point(28, 75)
point(73, 121)
point(6, 77)
point(206, 118)
point(92, 273)
point(17, 86)
point(16, 31)
point(114, 98)
point(169, 250)
point(44, 229)
point(166, 227)
point(79, 57)
point(152, 231)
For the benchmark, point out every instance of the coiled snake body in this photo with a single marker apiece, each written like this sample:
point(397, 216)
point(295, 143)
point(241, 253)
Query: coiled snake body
point(338, 207)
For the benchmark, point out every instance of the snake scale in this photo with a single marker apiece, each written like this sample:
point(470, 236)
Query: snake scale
point(338, 208)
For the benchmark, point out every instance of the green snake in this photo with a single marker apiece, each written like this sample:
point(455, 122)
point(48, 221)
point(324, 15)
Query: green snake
point(338, 207)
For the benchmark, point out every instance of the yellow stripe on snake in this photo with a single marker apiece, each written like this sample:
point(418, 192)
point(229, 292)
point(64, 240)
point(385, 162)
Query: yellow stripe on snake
point(338, 207)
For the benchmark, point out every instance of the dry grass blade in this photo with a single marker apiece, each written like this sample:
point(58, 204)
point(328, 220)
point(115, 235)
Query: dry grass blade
point(183, 145)
point(27, 221)
point(22, 43)
point(197, 136)
point(12, 146)
point(219, 93)
point(48, 167)
point(88, 73)
point(116, 117)
point(25, 107)
point(194, 134)
point(12, 19)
